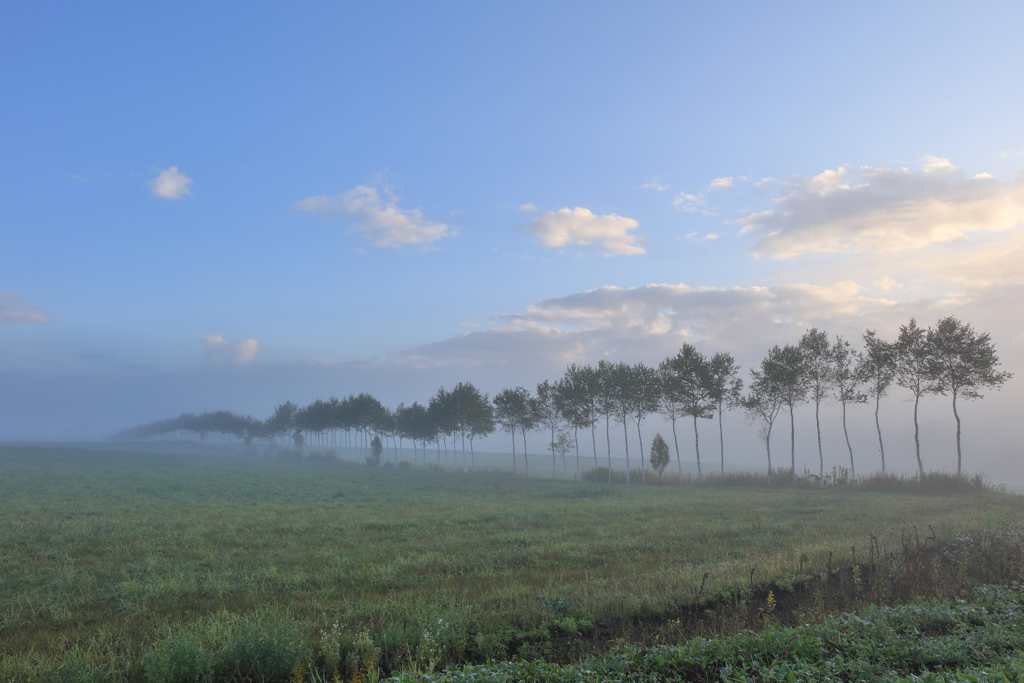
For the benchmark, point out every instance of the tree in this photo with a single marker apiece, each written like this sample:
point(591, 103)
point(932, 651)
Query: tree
point(876, 369)
point(442, 414)
point(692, 382)
point(961, 363)
point(726, 391)
point(818, 373)
point(643, 392)
point(549, 414)
point(606, 404)
point(576, 399)
point(909, 366)
point(511, 409)
point(846, 385)
point(788, 375)
point(375, 450)
point(659, 454)
point(670, 405)
point(620, 378)
point(765, 400)
point(473, 416)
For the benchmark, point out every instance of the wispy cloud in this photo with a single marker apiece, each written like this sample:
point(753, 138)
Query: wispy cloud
point(380, 220)
point(881, 209)
point(527, 208)
point(219, 351)
point(14, 311)
point(655, 185)
point(692, 203)
point(721, 183)
point(609, 234)
point(170, 184)
point(696, 237)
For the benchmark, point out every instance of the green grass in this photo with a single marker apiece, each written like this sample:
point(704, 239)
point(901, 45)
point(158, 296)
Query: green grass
point(107, 559)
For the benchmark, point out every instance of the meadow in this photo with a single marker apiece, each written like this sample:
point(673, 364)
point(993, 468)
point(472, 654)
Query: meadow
point(124, 566)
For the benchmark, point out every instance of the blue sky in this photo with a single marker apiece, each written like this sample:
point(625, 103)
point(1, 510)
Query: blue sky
point(253, 203)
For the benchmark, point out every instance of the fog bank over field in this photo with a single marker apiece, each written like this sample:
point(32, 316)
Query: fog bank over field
point(631, 325)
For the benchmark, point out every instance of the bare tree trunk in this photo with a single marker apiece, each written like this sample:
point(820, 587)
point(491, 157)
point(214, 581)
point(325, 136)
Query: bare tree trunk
point(696, 445)
point(959, 471)
point(821, 455)
point(526, 457)
point(472, 454)
point(576, 438)
point(853, 471)
point(513, 450)
point(554, 472)
point(608, 436)
point(593, 440)
point(792, 443)
point(768, 447)
point(878, 426)
point(679, 461)
point(721, 437)
point(465, 469)
point(625, 434)
point(917, 439)
point(643, 468)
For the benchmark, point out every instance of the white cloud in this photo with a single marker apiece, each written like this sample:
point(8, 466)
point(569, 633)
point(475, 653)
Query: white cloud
point(527, 208)
point(380, 219)
point(721, 183)
point(696, 237)
point(608, 233)
point(884, 210)
point(692, 203)
point(655, 185)
point(170, 184)
point(219, 351)
point(14, 311)
point(764, 181)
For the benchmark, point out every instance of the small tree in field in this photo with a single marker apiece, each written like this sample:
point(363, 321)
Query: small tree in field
point(659, 454)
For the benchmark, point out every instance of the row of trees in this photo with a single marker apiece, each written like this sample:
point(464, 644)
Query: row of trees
point(949, 359)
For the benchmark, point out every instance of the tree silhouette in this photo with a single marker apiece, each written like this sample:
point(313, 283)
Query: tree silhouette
point(877, 369)
point(670, 404)
point(845, 385)
point(788, 375)
point(961, 363)
point(818, 373)
point(766, 398)
point(511, 407)
point(909, 367)
point(726, 392)
point(576, 399)
point(692, 383)
point(659, 454)
point(606, 402)
point(549, 415)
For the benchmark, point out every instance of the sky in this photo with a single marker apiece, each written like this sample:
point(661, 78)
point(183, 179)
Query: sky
point(229, 206)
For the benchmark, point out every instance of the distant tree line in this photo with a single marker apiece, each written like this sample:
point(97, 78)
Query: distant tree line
point(950, 359)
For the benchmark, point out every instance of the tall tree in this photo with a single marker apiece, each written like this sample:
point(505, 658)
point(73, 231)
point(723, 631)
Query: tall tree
point(621, 378)
point(671, 406)
point(693, 384)
point(818, 371)
point(910, 369)
point(606, 403)
point(726, 392)
point(787, 364)
point(511, 408)
point(962, 362)
point(550, 416)
point(846, 385)
point(765, 400)
point(575, 397)
point(876, 370)
point(644, 391)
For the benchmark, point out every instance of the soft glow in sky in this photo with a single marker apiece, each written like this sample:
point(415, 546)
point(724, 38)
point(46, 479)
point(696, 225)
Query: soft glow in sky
point(209, 206)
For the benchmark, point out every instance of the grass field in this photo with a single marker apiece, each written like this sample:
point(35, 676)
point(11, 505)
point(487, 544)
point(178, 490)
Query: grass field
point(110, 561)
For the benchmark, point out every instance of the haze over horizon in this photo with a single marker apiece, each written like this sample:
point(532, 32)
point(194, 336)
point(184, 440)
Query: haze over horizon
point(229, 207)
